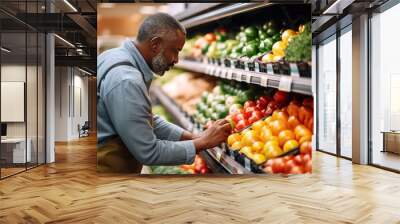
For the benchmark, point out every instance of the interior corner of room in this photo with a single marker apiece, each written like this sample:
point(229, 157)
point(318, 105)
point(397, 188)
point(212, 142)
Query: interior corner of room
point(48, 76)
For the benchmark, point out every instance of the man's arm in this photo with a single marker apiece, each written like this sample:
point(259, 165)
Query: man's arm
point(168, 131)
point(130, 114)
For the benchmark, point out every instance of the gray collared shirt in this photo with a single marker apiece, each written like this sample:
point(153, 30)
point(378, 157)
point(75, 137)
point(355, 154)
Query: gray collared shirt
point(124, 109)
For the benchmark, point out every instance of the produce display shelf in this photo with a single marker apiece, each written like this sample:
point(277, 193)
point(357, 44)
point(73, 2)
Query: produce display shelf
point(195, 9)
point(217, 154)
point(227, 161)
point(180, 118)
point(230, 10)
point(282, 82)
point(222, 13)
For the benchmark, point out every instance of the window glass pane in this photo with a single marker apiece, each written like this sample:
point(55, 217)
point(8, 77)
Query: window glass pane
point(346, 94)
point(15, 150)
point(385, 84)
point(327, 96)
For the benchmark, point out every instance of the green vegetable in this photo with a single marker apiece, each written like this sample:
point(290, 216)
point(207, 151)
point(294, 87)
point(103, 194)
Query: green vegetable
point(299, 49)
point(204, 50)
point(204, 97)
point(221, 37)
point(251, 32)
point(230, 100)
point(266, 45)
point(276, 37)
point(250, 49)
point(271, 31)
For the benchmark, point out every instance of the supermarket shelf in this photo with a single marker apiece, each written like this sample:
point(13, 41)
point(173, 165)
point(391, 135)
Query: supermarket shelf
point(222, 13)
point(282, 82)
point(227, 162)
point(181, 119)
point(195, 9)
point(231, 10)
point(218, 154)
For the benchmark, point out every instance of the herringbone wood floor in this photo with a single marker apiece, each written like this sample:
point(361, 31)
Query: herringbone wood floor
point(70, 191)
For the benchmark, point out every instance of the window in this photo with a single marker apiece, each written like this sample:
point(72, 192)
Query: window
point(385, 89)
point(327, 95)
point(346, 92)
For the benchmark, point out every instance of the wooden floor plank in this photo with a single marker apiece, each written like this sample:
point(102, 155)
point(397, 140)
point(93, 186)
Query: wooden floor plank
point(70, 191)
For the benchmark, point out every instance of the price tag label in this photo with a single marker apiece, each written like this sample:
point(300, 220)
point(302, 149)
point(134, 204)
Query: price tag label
point(217, 71)
point(248, 78)
point(229, 74)
point(223, 73)
point(264, 80)
point(206, 69)
point(218, 154)
point(239, 76)
point(270, 69)
point(257, 67)
point(212, 72)
point(294, 70)
point(246, 66)
point(247, 164)
point(285, 83)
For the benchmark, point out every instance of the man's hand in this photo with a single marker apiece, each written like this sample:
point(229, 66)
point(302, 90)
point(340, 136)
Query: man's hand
point(213, 136)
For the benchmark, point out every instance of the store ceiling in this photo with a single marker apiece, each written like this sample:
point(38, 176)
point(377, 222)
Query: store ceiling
point(72, 20)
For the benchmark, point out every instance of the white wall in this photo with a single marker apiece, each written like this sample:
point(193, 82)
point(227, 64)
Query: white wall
point(70, 83)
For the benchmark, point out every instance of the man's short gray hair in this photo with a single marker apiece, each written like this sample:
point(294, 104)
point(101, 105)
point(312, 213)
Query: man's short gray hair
point(158, 25)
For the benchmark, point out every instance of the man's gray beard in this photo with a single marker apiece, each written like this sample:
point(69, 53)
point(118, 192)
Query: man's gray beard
point(159, 64)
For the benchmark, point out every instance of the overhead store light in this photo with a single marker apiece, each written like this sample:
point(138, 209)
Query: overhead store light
point(70, 5)
point(64, 40)
point(5, 50)
point(84, 71)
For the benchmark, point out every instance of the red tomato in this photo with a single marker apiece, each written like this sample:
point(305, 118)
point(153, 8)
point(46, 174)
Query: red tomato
point(210, 37)
point(248, 111)
point(296, 170)
point(249, 103)
point(287, 158)
point(255, 116)
point(298, 160)
point(237, 117)
point(278, 165)
point(308, 167)
point(269, 162)
point(289, 165)
point(268, 169)
point(309, 102)
point(306, 158)
point(241, 124)
point(203, 170)
point(306, 147)
point(270, 108)
point(281, 97)
point(262, 102)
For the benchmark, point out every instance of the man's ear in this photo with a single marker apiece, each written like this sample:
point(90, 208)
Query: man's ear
point(155, 45)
